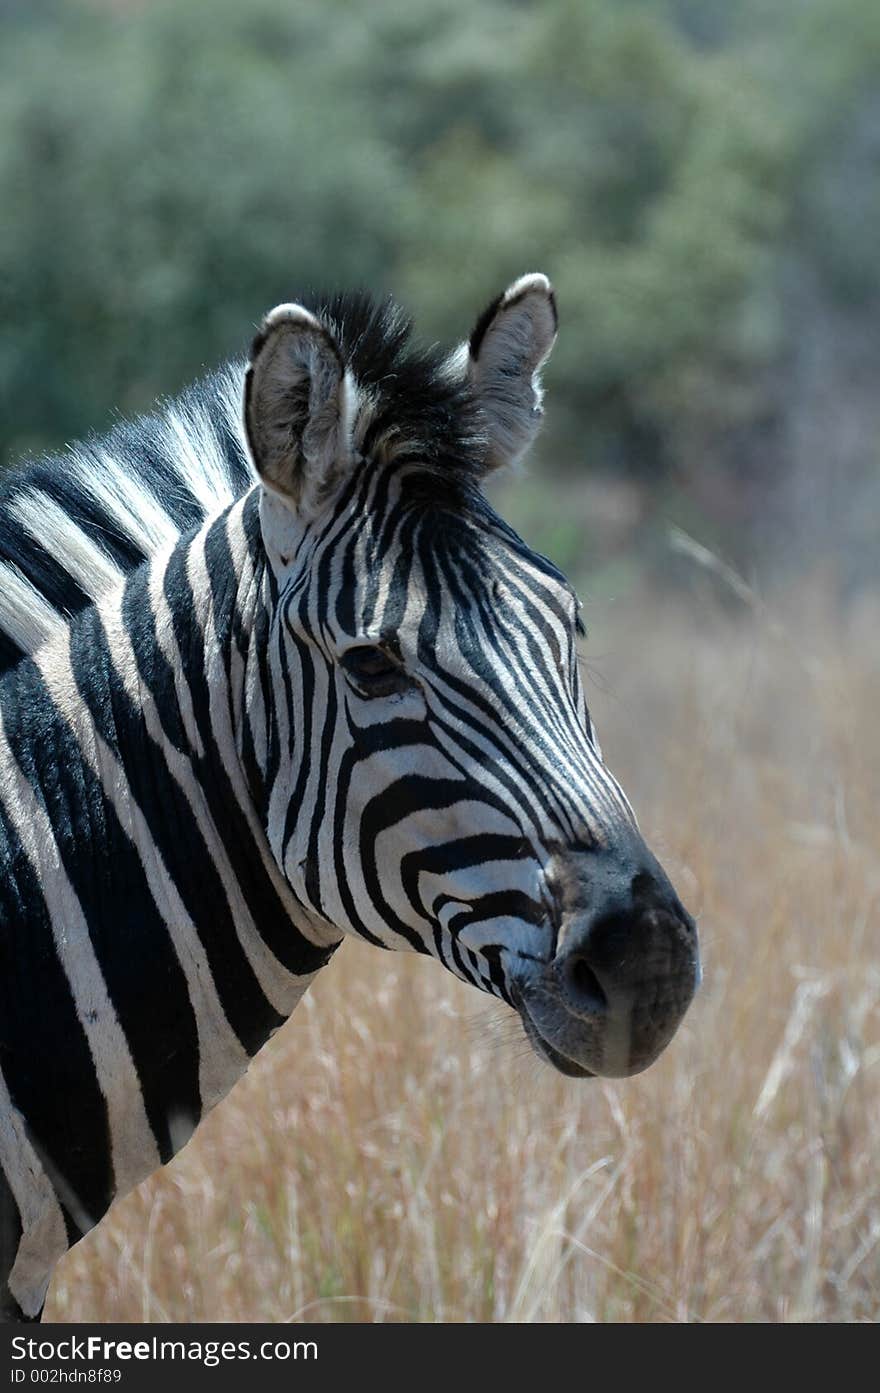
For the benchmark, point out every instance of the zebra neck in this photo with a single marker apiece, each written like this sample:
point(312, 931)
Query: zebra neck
point(195, 624)
point(147, 941)
point(126, 806)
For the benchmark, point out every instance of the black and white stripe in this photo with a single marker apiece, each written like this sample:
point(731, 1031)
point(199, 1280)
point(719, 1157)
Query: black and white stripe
point(256, 696)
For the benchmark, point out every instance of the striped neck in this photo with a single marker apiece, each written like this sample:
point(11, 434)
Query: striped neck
point(139, 891)
point(124, 740)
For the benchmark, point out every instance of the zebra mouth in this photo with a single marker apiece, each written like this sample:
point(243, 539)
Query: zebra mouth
point(542, 1047)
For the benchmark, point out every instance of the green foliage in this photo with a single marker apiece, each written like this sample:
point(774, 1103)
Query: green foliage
point(173, 172)
point(169, 171)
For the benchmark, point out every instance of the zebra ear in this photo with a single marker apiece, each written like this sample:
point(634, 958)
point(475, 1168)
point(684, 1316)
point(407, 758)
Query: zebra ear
point(297, 408)
point(509, 344)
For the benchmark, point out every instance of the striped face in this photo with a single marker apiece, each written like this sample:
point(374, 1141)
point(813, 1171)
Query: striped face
point(437, 785)
point(436, 655)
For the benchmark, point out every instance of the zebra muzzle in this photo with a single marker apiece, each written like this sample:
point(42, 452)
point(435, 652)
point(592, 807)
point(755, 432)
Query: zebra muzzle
point(625, 971)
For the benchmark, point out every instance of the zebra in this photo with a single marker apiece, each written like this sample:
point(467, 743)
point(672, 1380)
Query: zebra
point(274, 672)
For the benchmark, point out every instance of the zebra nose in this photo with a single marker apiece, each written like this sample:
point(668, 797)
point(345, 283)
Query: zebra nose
point(616, 958)
point(582, 986)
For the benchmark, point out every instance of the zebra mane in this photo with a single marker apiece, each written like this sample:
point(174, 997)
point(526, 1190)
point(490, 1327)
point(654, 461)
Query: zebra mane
point(417, 396)
point(72, 524)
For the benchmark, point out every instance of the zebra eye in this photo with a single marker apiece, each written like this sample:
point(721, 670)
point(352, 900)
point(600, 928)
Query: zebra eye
point(373, 672)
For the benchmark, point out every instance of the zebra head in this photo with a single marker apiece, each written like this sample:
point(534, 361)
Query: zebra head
point(434, 781)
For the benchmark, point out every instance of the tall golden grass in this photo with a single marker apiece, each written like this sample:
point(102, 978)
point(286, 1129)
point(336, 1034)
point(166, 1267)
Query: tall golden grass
point(398, 1154)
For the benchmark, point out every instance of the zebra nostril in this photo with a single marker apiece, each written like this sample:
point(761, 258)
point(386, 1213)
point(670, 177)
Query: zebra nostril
point(583, 989)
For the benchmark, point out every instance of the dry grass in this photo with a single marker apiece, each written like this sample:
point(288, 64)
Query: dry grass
point(398, 1154)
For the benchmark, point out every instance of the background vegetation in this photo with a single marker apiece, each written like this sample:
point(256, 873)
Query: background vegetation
point(701, 179)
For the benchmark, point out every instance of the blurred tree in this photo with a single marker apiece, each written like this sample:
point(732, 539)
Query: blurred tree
point(701, 181)
point(174, 169)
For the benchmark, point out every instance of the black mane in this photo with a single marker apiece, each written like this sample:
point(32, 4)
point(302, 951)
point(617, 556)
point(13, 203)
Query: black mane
point(415, 392)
